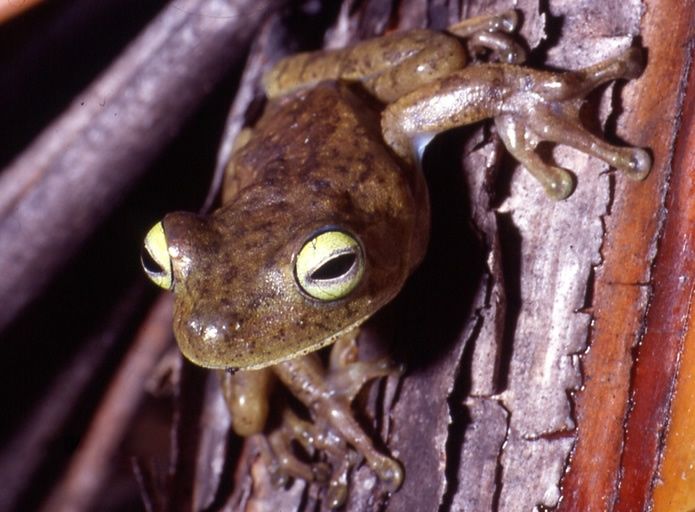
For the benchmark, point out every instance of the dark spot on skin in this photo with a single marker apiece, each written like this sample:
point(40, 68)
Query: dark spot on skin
point(230, 274)
point(368, 170)
point(324, 327)
point(265, 226)
point(269, 181)
point(319, 185)
point(262, 299)
point(333, 153)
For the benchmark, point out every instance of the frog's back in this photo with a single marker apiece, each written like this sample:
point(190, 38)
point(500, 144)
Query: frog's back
point(323, 140)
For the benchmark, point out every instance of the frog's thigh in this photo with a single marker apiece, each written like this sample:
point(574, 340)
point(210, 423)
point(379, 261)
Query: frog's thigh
point(388, 66)
point(403, 63)
point(246, 394)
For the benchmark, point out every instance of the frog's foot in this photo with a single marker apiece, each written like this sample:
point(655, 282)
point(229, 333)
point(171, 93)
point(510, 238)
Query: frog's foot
point(335, 431)
point(492, 33)
point(345, 383)
point(280, 457)
point(316, 440)
point(553, 115)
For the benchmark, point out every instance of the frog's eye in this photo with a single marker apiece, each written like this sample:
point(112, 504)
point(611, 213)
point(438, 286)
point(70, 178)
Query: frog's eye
point(330, 265)
point(155, 257)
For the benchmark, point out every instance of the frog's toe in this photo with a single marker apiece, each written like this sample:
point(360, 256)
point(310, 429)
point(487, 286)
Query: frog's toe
point(634, 162)
point(288, 466)
point(337, 491)
point(283, 462)
point(321, 471)
point(389, 471)
point(560, 184)
point(639, 164)
point(508, 20)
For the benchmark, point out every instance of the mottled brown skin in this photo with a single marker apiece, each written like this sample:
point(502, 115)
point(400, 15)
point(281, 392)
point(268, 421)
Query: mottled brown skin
point(321, 164)
point(337, 148)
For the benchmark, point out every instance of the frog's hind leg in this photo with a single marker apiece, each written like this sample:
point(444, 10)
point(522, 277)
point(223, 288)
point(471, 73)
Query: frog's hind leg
point(388, 67)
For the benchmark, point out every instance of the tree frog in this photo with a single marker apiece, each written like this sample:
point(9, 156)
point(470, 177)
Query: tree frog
point(325, 214)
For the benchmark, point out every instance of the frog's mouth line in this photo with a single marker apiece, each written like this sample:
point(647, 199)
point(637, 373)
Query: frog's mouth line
point(311, 348)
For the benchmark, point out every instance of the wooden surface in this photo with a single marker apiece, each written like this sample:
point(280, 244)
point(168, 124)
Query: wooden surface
point(643, 290)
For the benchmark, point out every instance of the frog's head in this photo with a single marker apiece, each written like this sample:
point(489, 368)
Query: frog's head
point(261, 281)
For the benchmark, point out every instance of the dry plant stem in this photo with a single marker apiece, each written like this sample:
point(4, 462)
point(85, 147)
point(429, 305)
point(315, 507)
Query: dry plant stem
point(89, 467)
point(11, 8)
point(182, 485)
point(55, 193)
point(24, 453)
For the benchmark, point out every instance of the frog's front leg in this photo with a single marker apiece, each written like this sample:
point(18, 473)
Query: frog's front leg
point(528, 106)
point(328, 397)
point(280, 458)
point(396, 64)
point(247, 394)
point(328, 394)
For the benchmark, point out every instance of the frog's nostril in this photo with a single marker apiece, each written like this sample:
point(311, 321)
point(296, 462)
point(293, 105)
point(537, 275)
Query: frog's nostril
point(335, 267)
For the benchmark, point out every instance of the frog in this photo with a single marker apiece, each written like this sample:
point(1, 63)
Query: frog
point(325, 214)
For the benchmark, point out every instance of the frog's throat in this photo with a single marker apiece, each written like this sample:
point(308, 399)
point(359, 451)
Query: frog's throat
point(311, 348)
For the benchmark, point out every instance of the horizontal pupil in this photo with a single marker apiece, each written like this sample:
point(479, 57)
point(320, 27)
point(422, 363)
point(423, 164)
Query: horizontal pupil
point(149, 263)
point(335, 267)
